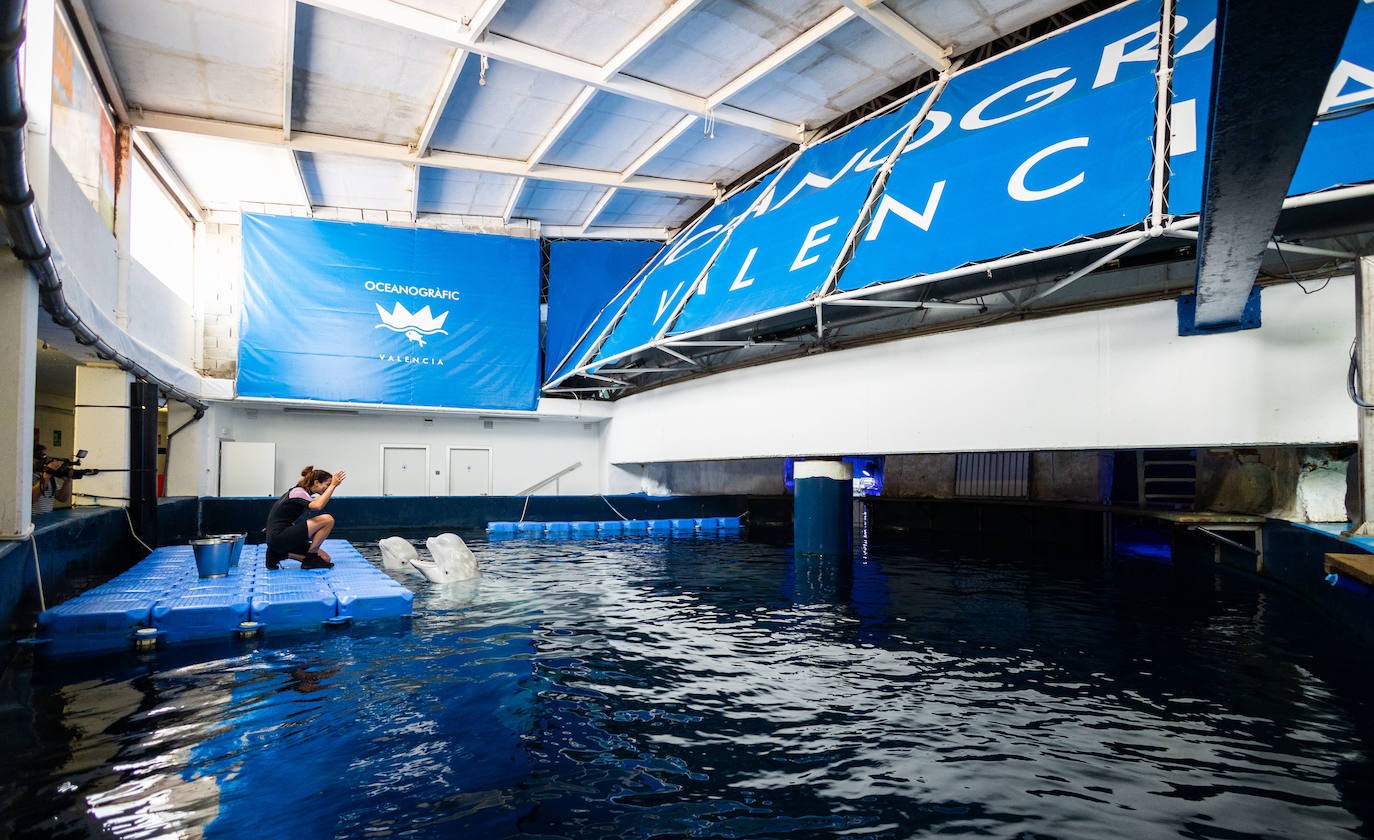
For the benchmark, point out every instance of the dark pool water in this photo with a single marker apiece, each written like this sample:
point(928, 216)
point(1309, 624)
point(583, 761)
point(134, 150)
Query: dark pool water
point(699, 688)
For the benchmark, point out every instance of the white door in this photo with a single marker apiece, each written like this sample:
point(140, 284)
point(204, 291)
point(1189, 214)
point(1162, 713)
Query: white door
point(469, 472)
point(405, 471)
point(248, 469)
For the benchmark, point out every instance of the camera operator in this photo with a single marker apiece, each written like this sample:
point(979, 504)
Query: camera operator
point(52, 481)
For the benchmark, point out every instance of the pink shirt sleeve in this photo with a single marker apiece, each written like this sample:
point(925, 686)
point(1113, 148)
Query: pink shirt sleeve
point(300, 493)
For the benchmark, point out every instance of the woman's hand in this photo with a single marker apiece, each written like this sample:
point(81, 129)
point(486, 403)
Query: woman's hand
point(338, 478)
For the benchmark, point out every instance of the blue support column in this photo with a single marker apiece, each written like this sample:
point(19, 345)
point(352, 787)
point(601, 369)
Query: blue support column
point(821, 522)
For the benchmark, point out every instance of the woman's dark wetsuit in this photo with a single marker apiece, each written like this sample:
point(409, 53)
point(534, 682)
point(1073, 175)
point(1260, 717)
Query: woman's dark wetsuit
point(287, 532)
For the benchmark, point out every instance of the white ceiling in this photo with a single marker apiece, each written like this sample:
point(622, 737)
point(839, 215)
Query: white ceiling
point(591, 117)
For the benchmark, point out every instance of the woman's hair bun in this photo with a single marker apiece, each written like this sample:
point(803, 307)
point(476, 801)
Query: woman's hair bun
point(308, 470)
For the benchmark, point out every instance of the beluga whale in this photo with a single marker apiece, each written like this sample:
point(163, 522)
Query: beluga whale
point(452, 559)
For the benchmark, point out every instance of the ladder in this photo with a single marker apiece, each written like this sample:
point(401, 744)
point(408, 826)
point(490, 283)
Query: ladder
point(1166, 477)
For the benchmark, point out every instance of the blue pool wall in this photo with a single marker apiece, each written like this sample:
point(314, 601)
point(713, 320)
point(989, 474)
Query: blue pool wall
point(98, 538)
point(85, 539)
point(446, 513)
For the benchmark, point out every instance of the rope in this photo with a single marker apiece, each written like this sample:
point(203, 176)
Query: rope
point(38, 571)
point(525, 508)
point(612, 507)
point(130, 520)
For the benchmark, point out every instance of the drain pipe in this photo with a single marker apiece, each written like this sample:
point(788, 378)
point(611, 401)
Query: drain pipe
point(21, 220)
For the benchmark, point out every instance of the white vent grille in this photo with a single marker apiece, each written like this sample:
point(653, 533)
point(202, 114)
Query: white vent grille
point(1000, 475)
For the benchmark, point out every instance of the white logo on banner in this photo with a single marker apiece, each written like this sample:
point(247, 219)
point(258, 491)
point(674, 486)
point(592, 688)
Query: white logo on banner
point(413, 325)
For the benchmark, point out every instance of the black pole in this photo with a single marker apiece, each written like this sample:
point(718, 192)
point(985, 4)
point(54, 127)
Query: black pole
point(143, 460)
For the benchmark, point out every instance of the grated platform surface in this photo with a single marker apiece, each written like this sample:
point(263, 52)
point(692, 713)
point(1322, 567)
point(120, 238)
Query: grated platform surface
point(163, 592)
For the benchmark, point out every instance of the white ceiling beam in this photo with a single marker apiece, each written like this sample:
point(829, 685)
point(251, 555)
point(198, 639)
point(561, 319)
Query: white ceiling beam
point(834, 21)
point(514, 199)
point(648, 155)
point(395, 14)
point(596, 210)
point(564, 121)
point(330, 144)
point(168, 176)
point(300, 180)
point(103, 67)
point(476, 25)
point(611, 68)
point(415, 192)
point(647, 36)
point(288, 70)
point(660, 144)
point(897, 27)
point(436, 110)
point(576, 232)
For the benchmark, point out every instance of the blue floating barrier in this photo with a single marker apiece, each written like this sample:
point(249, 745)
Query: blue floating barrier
point(685, 524)
point(375, 601)
point(660, 526)
point(200, 613)
point(559, 527)
point(97, 613)
point(1349, 585)
point(303, 601)
point(611, 526)
point(728, 523)
point(584, 529)
point(530, 527)
point(635, 526)
point(501, 527)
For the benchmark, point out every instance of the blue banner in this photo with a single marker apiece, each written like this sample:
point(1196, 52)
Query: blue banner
point(355, 312)
point(674, 271)
point(1337, 150)
point(1035, 148)
point(583, 276)
point(593, 334)
point(785, 255)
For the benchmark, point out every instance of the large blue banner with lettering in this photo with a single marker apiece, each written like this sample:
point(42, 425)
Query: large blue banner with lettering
point(1337, 150)
point(785, 254)
point(583, 276)
point(675, 270)
point(1035, 148)
point(365, 313)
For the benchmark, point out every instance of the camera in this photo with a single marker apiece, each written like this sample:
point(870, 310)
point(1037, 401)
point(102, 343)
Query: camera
point(68, 467)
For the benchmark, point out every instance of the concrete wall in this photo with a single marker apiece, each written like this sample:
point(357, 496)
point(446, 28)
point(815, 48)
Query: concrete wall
point(1115, 378)
point(1300, 484)
point(754, 477)
point(1054, 476)
point(523, 451)
point(219, 296)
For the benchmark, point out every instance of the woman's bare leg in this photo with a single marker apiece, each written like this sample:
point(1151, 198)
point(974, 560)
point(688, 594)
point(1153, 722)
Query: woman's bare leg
point(318, 528)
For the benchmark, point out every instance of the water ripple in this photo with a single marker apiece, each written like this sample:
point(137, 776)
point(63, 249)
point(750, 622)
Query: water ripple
point(696, 688)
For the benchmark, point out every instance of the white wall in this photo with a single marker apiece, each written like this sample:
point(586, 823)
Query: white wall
point(54, 413)
point(83, 247)
point(159, 318)
point(1115, 378)
point(524, 451)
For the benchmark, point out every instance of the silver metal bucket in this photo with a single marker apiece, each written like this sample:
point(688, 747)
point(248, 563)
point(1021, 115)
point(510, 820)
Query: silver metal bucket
point(236, 539)
point(212, 556)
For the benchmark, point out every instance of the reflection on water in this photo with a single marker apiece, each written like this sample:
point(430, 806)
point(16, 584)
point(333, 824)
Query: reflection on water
point(701, 688)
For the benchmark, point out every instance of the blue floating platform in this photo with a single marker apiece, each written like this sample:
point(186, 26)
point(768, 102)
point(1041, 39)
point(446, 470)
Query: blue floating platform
point(163, 592)
point(708, 525)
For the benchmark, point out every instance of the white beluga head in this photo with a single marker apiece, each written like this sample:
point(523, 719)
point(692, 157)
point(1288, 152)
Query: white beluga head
point(397, 552)
point(453, 560)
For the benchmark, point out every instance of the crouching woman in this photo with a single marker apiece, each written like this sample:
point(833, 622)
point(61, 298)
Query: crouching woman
point(299, 538)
